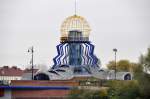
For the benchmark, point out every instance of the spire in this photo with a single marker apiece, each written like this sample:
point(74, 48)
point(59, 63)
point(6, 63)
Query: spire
point(75, 7)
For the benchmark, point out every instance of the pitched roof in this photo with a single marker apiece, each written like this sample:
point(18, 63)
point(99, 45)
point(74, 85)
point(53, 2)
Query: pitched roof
point(10, 71)
point(30, 70)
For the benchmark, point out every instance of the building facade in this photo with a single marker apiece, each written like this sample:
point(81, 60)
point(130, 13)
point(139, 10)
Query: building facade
point(75, 52)
point(10, 73)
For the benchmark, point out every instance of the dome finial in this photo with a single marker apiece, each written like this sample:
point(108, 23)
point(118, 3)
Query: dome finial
point(75, 23)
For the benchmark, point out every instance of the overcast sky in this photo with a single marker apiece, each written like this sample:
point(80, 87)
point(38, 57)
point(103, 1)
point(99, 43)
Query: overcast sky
point(121, 24)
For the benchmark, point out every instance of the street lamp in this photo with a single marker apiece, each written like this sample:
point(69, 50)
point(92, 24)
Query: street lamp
point(115, 50)
point(31, 50)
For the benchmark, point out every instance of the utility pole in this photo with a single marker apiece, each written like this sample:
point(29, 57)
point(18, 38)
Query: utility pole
point(31, 50)
point(115, 50)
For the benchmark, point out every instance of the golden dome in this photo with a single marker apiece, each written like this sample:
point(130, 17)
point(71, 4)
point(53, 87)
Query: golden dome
point(75, 23)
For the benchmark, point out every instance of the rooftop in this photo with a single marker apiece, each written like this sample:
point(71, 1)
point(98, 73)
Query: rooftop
point(10, 71)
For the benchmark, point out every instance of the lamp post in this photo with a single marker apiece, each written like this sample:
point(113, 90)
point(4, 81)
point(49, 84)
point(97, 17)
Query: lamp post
point(115, 50)
point(31, 50)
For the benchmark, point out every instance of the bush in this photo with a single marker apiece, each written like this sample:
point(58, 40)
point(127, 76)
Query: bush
point(123, 90)
point(87, 94)
point(116, 90)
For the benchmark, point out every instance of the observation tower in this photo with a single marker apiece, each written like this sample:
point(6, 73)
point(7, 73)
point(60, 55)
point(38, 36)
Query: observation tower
point(75, 48)
point(75, 56)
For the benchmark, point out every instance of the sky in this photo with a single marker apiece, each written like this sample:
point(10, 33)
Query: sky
point(121, 24)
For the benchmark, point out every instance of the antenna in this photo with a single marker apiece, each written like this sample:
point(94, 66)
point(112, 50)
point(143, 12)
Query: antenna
point(75, 7)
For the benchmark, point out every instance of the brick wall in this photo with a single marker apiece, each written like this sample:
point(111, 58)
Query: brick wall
point(44, 83)
point(41, 94)
point(26, 94)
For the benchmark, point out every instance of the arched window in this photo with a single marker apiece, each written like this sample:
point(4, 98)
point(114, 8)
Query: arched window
point(127, 77)
point(41, 76)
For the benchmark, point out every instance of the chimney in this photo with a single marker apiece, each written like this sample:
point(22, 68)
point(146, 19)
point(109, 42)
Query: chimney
point(5, 67)
point(14, 67)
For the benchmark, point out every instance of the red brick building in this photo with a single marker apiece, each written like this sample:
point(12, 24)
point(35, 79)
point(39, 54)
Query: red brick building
point(10, 73)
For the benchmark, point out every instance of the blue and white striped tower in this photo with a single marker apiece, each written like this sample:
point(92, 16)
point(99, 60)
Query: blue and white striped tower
point(75, 53)
point(75, 50)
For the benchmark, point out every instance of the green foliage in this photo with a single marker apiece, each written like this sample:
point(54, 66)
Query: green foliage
point(122, 65)
point(144, 81)
point(76, 94)
point(88, 94)
point(116, 90)
point(145, 86)
point(103, 93)
point(123, 90)
point(111, 65)
point(142, 76)
point(145, 61)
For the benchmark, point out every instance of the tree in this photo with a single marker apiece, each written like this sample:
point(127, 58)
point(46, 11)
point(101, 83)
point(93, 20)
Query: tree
point(143, 80)
point(145, 61)
point(123, 90)
point(141, 74)
point(111, 65)
point(122, 65)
